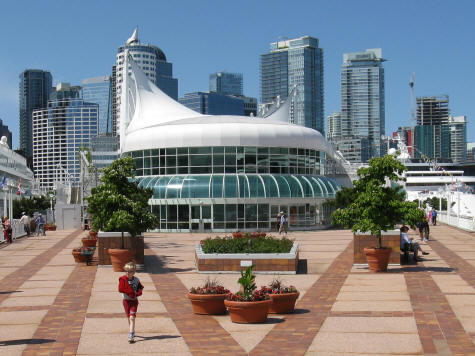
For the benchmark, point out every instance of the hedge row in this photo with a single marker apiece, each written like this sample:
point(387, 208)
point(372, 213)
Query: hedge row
point(261, 244)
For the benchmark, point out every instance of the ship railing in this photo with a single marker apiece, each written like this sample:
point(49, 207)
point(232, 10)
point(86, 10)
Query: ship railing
point(464, 222)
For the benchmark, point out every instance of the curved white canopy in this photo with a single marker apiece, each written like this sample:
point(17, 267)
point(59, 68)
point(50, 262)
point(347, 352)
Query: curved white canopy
point(159, 122)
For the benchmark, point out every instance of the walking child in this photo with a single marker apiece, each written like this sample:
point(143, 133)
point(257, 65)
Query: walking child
point(131, 288)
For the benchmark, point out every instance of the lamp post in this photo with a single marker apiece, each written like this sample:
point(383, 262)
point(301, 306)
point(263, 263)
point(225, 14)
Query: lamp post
point(51, 196)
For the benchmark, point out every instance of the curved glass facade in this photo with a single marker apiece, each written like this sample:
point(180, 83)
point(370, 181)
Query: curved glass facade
point(239, 186)
point(234, 188)
point(227, 159)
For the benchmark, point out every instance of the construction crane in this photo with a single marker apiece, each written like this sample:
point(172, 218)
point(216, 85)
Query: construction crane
point(413, 112)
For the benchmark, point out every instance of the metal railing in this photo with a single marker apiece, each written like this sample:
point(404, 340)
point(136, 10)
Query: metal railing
point(17, 231)
point(461, 221)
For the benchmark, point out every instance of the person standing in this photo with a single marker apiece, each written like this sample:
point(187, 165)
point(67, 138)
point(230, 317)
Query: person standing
point(25, 220)
point(434, 216)
point(131, 288)
point(40, 225)
point(283, 223)
point(278, 220)
point(7, 229)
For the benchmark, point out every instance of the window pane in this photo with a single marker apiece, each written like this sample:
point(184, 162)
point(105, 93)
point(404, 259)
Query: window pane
point(230, 187)
point(217, 186)
point(255, 186)
point(218, 212)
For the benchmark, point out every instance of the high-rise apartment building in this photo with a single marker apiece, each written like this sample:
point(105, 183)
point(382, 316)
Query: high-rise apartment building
point(59, 131)
point(153, 62)
point(458, 138)
point(334, 126)
point(296, 62)
point(363, 98)
point(98, 90)
point(226, 83)
point(35, 88)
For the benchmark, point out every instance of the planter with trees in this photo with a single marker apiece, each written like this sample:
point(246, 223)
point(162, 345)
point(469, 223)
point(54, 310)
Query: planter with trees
point(248, 305)
point(120, 212)
point(376, 203)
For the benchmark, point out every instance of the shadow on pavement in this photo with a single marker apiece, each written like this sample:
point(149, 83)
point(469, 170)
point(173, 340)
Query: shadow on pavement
point(272, 320)
point(300, 311)
point(156, 265)
point(25, 341)
point(157, 337)
point(11, 291)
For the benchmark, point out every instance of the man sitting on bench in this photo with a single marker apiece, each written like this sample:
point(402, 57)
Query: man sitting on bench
point(406, 242)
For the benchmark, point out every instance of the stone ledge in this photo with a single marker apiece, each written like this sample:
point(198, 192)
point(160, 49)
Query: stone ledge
point(271, 263)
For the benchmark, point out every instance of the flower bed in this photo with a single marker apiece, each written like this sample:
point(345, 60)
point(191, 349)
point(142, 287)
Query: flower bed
point(247, 243)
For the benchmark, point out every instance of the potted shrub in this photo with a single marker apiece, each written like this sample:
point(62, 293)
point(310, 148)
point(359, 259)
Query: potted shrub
point(120, 205)
point(283, 297)
point(376, 203)
point(208, 299)
point(248, 305)
point(77, 254)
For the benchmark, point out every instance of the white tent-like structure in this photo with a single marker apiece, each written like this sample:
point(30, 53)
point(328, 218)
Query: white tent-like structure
point(222, 172)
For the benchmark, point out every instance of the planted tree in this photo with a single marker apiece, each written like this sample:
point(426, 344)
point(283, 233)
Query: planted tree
point(119, 204)
point(377, 203)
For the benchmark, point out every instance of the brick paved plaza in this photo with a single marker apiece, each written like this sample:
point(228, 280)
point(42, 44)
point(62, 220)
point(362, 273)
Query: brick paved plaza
point(52, 306)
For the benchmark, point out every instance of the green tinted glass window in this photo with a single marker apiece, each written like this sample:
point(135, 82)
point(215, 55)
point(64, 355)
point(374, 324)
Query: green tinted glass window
point(271, 186)
point(160, 188)
point(243, 187)
point(307, 188)
point(196, 187)
point(256, 189)
point(174, 187)
point(284, 188)
point(230, 187)
point(217, 186)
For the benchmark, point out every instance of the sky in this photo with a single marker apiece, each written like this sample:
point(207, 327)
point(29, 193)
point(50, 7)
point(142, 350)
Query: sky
point(75, 40)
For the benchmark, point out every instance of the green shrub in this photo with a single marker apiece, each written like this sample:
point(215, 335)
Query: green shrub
point(246, 244)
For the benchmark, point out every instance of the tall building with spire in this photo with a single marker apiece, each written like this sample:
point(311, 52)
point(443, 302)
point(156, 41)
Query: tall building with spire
point(296, 62)
point(153, 62)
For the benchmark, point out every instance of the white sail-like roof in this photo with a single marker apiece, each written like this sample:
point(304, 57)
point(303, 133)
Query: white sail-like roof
point(160, 122)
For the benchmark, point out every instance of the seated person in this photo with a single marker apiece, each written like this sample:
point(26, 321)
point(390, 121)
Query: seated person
point(412, 246)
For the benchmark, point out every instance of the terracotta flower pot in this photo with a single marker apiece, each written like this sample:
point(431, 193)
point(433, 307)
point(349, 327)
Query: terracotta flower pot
point(248, 312)
point(209, 304)
point(378, 258)
point(283, 303)
point(88, 242)
point(93, 234)
point(119, 258)
point(78, 257)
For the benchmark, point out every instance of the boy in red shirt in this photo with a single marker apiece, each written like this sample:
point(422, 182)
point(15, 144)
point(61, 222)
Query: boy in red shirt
point(131, 288)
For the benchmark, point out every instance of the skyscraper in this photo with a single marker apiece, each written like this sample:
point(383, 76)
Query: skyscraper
point(334, 126)
point(35, 87)
point(153, 63)
point(226, 83)
point(211, 103)
point(296, 62)
point(98, 90)
point(59, 131)
point(363, 99)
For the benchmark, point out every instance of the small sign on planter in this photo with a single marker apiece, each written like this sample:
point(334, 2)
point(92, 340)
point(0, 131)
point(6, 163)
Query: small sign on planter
point(245, 263)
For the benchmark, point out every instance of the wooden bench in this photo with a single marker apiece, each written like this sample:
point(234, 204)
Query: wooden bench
point(405, 255)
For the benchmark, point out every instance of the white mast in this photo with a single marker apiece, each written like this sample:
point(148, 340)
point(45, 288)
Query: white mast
point(124, 105)
point(413, 114)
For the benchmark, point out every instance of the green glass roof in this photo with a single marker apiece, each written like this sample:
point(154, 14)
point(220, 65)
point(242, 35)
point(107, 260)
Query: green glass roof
point(240, 186)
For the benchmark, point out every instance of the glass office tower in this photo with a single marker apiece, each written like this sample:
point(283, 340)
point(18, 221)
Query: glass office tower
point(98, 90)
point(35, 88)
point(213, 103)
point(363, 99)
point(226, 83)
point(297, 62)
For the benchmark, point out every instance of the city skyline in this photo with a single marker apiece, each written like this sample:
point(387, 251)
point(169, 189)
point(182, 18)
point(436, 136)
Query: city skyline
point(407, 32)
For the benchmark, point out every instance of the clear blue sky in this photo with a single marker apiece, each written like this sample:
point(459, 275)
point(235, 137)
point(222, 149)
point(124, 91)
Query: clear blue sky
point(76, 40)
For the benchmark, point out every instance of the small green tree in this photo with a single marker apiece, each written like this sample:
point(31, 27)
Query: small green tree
point(375, 205)
point(119, 204)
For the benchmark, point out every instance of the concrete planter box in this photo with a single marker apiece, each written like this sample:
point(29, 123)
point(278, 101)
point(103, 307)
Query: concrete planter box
point(107, 240)
point(389, 238)
point(280, 263)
